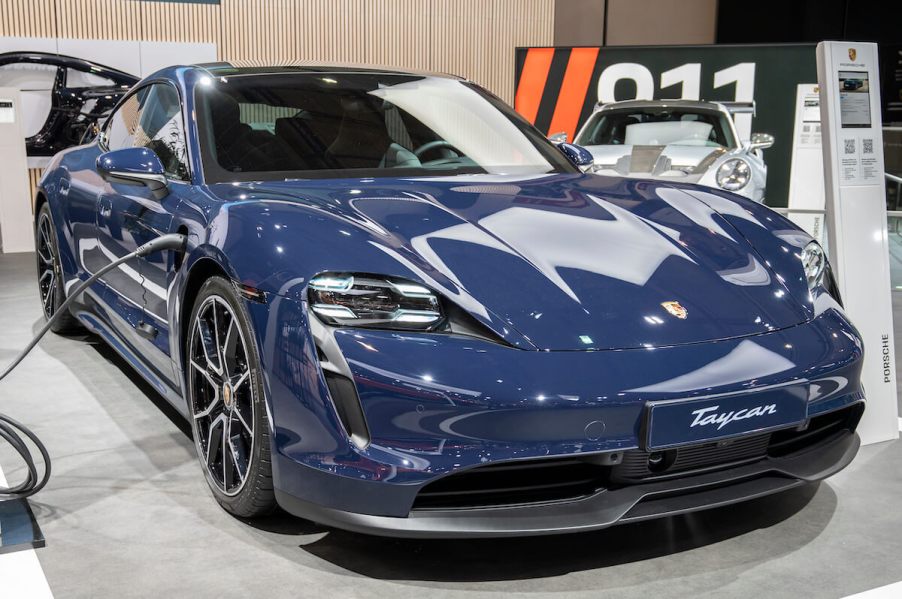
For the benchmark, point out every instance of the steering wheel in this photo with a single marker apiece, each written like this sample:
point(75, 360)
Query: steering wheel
point(432, 145)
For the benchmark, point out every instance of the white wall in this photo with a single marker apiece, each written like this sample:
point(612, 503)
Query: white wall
point(137, 58)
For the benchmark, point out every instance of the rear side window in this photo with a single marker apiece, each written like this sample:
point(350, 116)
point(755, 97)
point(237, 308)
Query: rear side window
point(82, 79)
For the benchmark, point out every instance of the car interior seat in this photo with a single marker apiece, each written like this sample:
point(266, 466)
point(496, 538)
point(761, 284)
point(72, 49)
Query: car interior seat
point(239, 148)
point(363, 140)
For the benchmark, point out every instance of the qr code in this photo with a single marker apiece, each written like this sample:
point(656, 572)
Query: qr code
point(867, 146)
point(849, 146)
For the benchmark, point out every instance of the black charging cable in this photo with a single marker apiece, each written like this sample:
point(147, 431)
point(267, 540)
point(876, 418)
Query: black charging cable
point(14, 432)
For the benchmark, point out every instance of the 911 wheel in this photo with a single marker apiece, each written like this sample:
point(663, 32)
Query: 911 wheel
point(231, 432)
point(50, 281)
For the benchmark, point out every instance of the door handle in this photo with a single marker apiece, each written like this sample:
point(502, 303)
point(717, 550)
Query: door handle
point(105, 207)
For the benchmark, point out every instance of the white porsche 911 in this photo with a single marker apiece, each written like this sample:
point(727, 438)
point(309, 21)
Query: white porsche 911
point(677, 140)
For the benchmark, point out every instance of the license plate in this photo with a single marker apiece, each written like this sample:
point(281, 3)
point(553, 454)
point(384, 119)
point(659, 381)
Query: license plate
point(676, 422)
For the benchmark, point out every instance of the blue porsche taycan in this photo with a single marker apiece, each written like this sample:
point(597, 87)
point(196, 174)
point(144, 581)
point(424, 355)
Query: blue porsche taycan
point(401, 310)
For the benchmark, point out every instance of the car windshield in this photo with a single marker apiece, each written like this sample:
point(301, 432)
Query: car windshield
point(658, 126)
point(330, 125)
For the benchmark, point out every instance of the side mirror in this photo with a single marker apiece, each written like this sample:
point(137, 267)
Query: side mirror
point(578, 155)
point(761, 141)
point(558, 138)
point(134, 166)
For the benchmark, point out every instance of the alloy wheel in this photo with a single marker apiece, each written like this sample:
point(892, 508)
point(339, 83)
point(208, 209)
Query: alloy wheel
point(47, 269)
point(222, 395)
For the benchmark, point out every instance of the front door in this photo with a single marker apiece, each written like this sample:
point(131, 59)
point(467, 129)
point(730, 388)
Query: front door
point(128, 215)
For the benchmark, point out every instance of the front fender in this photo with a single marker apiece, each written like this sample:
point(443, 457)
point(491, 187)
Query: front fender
point(297, 400)
point(276, 246)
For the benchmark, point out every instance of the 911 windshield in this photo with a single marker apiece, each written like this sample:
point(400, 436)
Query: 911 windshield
point(330, 125)
point(658, 126)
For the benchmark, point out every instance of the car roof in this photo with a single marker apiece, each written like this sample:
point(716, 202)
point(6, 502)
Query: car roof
point(234, 68)
point(693, 104)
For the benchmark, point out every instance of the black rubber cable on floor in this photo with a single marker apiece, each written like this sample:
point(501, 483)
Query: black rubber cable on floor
point(14, 432)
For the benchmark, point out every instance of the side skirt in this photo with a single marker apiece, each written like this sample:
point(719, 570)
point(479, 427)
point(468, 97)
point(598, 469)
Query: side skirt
point(98, 327)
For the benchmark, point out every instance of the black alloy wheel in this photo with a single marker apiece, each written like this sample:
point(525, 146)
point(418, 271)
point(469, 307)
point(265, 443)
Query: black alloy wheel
point(228, 415)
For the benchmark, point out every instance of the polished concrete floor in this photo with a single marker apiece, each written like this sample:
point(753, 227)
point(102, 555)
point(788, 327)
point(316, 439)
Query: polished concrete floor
point(127, 513)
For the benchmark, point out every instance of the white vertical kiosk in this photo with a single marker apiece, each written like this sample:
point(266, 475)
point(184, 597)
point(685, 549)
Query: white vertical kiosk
point(847, 74)
point(16, 223)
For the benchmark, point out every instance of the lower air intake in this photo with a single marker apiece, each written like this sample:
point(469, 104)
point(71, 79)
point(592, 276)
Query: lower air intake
point(513, 483)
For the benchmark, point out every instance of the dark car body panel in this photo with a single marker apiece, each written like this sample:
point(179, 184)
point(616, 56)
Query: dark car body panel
point(74, 110)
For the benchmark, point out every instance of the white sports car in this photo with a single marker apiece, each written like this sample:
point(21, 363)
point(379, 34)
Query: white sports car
point(682, 140)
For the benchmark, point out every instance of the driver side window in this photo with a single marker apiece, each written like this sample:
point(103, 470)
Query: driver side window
point(120, 129)
point(152, 118)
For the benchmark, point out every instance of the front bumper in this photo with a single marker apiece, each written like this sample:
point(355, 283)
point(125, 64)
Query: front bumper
point(437, 406)
point(606, 507)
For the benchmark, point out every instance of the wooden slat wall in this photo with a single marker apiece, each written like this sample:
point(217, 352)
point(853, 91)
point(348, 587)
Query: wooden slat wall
point(259, 31)
point(34, 177)
point(28, 18)
point(98, 19)
point(178, 22)
point(471, 38)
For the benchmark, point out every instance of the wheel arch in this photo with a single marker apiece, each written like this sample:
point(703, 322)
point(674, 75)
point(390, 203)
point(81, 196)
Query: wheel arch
point(40, 198)
point(201, 270)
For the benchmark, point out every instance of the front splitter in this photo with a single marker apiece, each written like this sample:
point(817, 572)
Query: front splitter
point(607, 507)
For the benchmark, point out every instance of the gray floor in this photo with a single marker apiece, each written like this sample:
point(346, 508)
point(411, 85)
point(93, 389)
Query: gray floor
point(127, 513)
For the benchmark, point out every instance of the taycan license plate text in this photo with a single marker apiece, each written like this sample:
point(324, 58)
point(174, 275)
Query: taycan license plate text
point(673, 423)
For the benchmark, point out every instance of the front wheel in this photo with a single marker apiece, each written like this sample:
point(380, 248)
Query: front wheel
point(225, 398)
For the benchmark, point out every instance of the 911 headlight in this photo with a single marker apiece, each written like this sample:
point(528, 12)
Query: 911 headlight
point(371, 301)
point(814, 261)
point(734, 174)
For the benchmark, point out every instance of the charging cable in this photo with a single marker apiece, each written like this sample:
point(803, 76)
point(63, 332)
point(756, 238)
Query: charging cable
point(13, 432)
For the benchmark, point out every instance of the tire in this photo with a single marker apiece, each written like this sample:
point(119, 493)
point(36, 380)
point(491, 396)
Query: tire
point(226, 404)
point(50, 279)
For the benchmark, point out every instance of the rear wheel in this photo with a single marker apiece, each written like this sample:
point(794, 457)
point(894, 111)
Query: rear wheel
point(225, 396)
point(50, 279)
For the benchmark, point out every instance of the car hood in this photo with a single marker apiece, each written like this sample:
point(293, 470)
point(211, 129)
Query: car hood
point(679, 162)
point(569, 261)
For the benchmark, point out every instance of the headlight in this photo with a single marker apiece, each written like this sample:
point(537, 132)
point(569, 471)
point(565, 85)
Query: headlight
point(815, 263)
point(370, 301)
point(734, 174)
